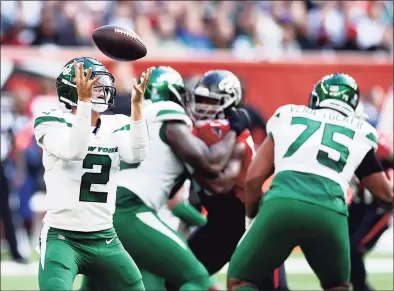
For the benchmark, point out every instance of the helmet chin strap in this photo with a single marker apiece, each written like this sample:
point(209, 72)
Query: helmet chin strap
point(97, 107)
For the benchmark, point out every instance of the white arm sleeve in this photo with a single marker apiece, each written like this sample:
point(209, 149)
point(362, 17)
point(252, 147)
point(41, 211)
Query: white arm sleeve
point(133, 143)
point(67, 143)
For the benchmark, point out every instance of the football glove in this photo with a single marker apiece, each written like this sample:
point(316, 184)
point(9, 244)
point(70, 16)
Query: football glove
point(239, 120)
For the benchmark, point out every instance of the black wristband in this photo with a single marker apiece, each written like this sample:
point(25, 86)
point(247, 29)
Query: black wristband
point(369, 166)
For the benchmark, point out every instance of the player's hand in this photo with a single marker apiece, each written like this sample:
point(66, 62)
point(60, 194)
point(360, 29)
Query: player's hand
point(239, 120)
point(137, 94)
point(84, 84)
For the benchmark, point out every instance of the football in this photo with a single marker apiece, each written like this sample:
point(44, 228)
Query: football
point(118, 43)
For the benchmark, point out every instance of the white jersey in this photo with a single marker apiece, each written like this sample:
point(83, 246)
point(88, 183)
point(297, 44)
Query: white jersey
point(155, 178)
point(321, 142)
point(79, 182)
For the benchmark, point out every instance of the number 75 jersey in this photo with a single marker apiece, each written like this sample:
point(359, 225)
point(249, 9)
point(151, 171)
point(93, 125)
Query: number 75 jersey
point(321, 144)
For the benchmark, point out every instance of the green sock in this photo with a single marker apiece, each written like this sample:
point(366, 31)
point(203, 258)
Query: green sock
point(188, 214)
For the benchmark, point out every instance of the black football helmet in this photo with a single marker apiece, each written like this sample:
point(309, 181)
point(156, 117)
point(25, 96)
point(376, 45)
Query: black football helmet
point(215, 93)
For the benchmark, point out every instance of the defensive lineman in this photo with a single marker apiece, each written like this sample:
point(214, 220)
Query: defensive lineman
point(215, 93)
point(81, 155)
point(314, 152)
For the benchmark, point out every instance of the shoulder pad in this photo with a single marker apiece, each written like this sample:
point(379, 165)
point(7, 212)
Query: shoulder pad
point(167, 111)
point(280, 114)
point(371, 135)
point(286, 109)
point(119, 121)
point(51, 117)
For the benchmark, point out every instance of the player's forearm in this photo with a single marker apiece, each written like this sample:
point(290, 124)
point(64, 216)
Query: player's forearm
point(72, 143)
point(380, 187)
point(220, 152)
point(260, 169)
point(252, 197)
point(136, 112)
point(133, 143)
point(195, 153)
point(218, 185)
point(226, 180)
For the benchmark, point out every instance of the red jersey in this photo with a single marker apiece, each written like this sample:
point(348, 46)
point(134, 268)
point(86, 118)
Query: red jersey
point(384, 147)
point(213, 131)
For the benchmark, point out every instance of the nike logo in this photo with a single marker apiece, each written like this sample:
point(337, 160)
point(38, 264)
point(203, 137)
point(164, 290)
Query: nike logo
point(109, 241)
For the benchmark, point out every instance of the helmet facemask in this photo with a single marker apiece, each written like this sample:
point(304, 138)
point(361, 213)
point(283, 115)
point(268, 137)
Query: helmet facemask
point(205, 105)
point(104, 93)
point(314, 100)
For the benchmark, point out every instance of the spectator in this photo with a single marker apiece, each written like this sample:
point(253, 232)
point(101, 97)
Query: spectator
point(372, 101)
point(123, 15)
point(279, 27)
point(24, 179)
point(192, 31)
point(143, 27)
point(372, 33)
point(289, 44)
point(166, 32)
point(46, 31)
point(5, 186)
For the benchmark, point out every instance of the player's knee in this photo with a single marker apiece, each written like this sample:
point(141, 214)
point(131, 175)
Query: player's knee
point(199, 283)
point(234, 284)
point(55, 284)
point(341, 287)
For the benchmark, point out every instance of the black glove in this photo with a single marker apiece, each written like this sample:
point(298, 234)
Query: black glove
point(239, 120)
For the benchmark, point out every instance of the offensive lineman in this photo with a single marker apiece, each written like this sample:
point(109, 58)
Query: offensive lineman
point(81, 153)
point(144, 188)
point(314, 152)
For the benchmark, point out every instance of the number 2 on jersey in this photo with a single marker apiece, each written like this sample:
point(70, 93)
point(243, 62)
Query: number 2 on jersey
point(102, 178)
point(328, 140)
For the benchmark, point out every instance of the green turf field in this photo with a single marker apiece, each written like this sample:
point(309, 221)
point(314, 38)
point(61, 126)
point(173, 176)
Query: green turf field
point(297, 280)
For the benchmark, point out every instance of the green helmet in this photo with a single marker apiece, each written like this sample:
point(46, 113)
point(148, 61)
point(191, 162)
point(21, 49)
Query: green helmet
point(336, 91)
point(66, 88)
point(165, 84)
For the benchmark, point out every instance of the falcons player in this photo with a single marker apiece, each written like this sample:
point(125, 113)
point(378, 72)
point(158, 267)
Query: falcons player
point(367, 219)
point(215, 95)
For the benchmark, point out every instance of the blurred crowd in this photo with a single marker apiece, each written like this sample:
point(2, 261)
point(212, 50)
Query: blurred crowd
point(286, 26)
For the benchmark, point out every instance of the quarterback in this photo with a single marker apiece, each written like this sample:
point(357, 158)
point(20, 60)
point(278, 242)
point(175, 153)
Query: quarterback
point(81, 155)
point(144, 188)
point(314, 152)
